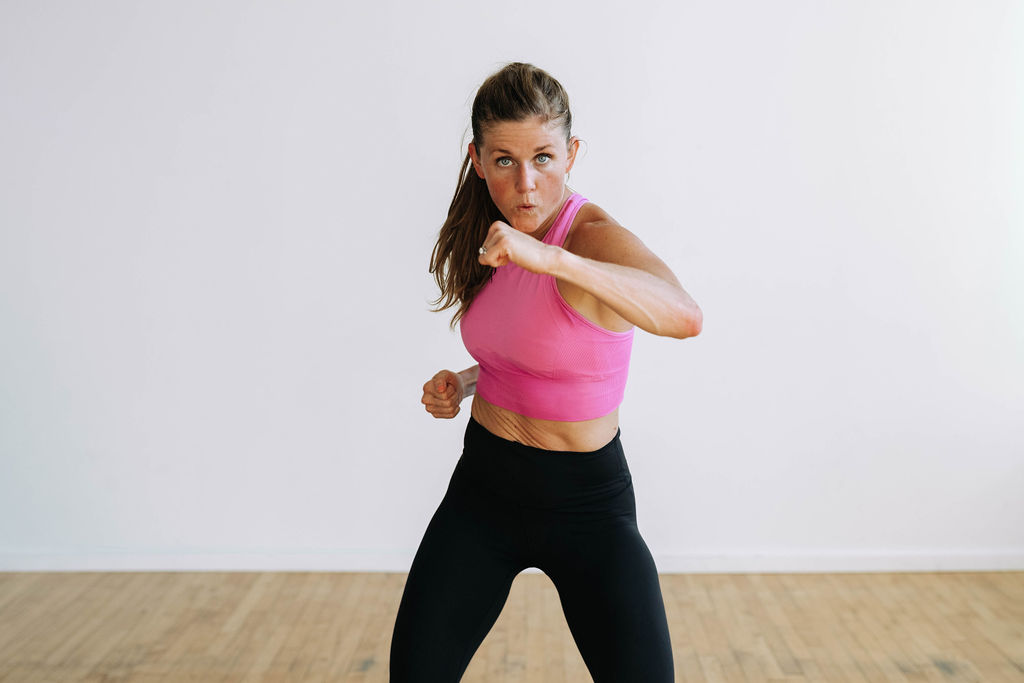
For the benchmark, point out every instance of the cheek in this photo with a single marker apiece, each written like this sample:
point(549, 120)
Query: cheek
point(500, 183)
point(499, 189)
point(555, 170)
point(554, 175)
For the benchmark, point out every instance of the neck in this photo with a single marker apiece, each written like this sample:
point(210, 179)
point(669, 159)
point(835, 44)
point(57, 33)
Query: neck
point(540, 232)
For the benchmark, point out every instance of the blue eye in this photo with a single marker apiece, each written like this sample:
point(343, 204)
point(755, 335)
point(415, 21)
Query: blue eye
point(543, 158)
point(502, 160)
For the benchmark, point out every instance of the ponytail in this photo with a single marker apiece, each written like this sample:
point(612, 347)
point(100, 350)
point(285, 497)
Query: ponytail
point(454, 263)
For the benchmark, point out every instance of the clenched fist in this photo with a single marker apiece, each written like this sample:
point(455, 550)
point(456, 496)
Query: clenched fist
point(443, 393)
point(505, 244)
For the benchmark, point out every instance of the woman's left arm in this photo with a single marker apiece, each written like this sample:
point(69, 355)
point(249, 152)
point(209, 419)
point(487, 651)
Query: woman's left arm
point(613, 265)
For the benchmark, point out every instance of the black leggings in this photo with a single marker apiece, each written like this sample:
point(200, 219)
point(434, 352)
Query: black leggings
point(570, 514)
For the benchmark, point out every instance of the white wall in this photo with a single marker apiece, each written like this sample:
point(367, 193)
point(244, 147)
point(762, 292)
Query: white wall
point(216, 221)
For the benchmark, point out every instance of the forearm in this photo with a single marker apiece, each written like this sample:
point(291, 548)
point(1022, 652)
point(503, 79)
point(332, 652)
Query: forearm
point(469, 377)
point(651, 303)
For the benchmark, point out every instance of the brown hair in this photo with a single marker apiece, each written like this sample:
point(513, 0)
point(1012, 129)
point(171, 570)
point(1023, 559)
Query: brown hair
point(516, 92)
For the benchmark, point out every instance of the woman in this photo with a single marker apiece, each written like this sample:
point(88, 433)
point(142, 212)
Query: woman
point(548, 289)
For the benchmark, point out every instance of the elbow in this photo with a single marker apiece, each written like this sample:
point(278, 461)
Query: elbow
point(698, 321)
point(689, 323)
point(680, 320)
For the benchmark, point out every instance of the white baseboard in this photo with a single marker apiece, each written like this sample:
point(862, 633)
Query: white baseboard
point(372, 560)
point(752, 562)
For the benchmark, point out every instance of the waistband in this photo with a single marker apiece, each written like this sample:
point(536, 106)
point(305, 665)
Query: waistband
point(536, 477)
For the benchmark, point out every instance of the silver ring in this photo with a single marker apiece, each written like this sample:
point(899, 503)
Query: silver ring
point(483, 250)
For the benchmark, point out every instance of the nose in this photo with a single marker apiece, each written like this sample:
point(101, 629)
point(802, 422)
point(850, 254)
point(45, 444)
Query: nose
point(526, 179)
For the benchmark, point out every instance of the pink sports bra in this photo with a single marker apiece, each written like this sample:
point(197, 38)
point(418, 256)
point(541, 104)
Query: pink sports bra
point(538, 356)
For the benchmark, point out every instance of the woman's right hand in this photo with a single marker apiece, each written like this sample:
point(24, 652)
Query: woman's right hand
point(443, 393)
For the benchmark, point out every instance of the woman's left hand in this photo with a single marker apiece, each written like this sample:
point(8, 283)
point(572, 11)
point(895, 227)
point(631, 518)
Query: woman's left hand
point(505, 244)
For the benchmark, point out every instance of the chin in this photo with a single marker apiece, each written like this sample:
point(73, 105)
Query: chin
point(520, 225)
point(525, 227)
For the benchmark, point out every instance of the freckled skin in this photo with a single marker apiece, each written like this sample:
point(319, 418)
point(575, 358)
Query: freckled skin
point(525, 163)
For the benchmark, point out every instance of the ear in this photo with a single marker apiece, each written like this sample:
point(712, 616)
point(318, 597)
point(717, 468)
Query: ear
point(574, 145)
point(475, 157)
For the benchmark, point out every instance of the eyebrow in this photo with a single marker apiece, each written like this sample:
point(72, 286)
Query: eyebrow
point(505, 151)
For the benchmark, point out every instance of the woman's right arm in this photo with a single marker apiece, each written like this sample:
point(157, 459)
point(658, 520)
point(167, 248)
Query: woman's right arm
point(443, 392)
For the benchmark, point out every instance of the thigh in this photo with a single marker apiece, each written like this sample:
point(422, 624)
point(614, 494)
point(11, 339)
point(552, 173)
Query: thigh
point(457, 585)
point(609, 589)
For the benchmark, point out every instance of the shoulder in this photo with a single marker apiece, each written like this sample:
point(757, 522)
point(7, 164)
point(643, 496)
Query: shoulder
point(595, 234)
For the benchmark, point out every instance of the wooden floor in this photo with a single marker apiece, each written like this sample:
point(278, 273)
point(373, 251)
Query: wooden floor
point(205, 626)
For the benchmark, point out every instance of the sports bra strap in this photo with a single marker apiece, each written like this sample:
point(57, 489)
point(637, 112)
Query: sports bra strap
point(558, 232)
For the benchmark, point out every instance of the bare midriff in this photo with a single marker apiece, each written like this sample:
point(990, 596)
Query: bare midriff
point(552, 435)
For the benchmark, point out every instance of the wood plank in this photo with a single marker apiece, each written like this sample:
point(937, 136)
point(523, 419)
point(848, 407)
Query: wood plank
point(298, 626)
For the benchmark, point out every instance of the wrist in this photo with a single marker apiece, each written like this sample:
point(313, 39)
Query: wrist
point(562, 262)
point(467, 380)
